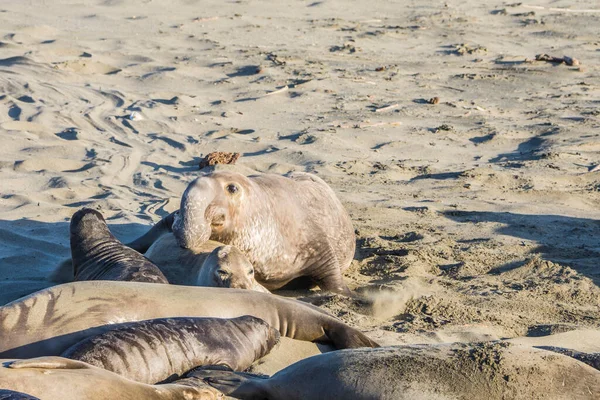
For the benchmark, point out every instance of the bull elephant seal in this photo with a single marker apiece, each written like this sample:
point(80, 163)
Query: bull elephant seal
point(457, 371)
point(12, 395)
point(51, 320)
point(61, 378)
point(164, 349)
point(211, 264)
point(288, 227)
point(98, 255)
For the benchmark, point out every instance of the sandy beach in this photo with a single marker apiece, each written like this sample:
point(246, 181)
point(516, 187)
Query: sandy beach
point(470, 169)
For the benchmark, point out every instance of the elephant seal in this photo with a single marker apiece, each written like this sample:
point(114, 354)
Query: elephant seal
point(288, 226)
point(456, 371)
point(12, 395)
point(60, 378)
point(211, 264)
point(164, 349)
point(51, 320)
point(98, 255)
point(228, 267)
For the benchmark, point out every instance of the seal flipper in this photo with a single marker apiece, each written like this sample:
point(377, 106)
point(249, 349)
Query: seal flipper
point(326, 272)
point(344, 337)
point(63, 272)
point(234, 384)
point(48, 363)
point(143, 243)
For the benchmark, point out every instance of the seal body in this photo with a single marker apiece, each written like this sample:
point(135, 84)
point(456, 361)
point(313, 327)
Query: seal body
point(288, 227)
point(491, 371)
point(158, 350)
point(51, 320)
point(211, 264)
point(50, 378)
point(97, 255)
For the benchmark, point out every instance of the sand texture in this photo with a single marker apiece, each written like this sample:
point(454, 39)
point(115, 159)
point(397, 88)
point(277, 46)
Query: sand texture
point(470, 169)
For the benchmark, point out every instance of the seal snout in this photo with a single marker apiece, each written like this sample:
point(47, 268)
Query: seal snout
point(86, 217)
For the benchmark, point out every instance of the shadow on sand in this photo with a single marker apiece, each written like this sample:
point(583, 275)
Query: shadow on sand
point(570, 241)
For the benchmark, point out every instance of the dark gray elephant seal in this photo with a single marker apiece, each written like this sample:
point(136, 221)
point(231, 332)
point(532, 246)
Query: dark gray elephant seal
point(12, 395)
point(97, 255)
point(52, 320)
point(51, 378)
point(212, 264)
point(492, 371)
point(161, 350)
point(288, 227)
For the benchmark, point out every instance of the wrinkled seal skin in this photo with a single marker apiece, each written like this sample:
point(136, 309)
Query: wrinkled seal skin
point(161, 350)
point(211, 264)
point(52, 378)
point(51, 320)
point(12, 395)
point(288, 227)
point(98, 255)
point(492, 371)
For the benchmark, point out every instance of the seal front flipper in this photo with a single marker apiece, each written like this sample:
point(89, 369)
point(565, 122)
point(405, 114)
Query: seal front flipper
point(48, 363)
point(234, 384)
point(143, 243)
point(63, 272)
point(326, 272)
point(184, 389)
point(344, 337)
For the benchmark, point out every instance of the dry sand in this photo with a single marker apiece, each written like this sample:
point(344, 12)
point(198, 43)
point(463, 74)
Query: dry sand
point(478, 217)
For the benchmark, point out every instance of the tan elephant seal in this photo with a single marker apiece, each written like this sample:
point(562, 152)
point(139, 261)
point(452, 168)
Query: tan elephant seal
point(228, 267)
point(288, 227)
point(51, 320)
point(97, 255)
point(160, 350)
point(492, 371)
point(212, 264)
point(52, 378)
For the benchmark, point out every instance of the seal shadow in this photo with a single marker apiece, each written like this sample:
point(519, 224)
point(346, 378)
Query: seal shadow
point(569, 241)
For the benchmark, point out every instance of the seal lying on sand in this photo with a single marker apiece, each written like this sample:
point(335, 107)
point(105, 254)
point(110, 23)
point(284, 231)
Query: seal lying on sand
point(466, 371)
point(51, 320)
point(288, 227)
point(212, 264)
point(61, 378)
point(164, 349)
point(98, 255)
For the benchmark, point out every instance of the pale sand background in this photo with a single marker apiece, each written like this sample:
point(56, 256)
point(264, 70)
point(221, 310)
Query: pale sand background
point(490, 229)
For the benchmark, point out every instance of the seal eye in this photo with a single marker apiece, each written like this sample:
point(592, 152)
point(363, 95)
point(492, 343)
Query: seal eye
point(232, 188)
